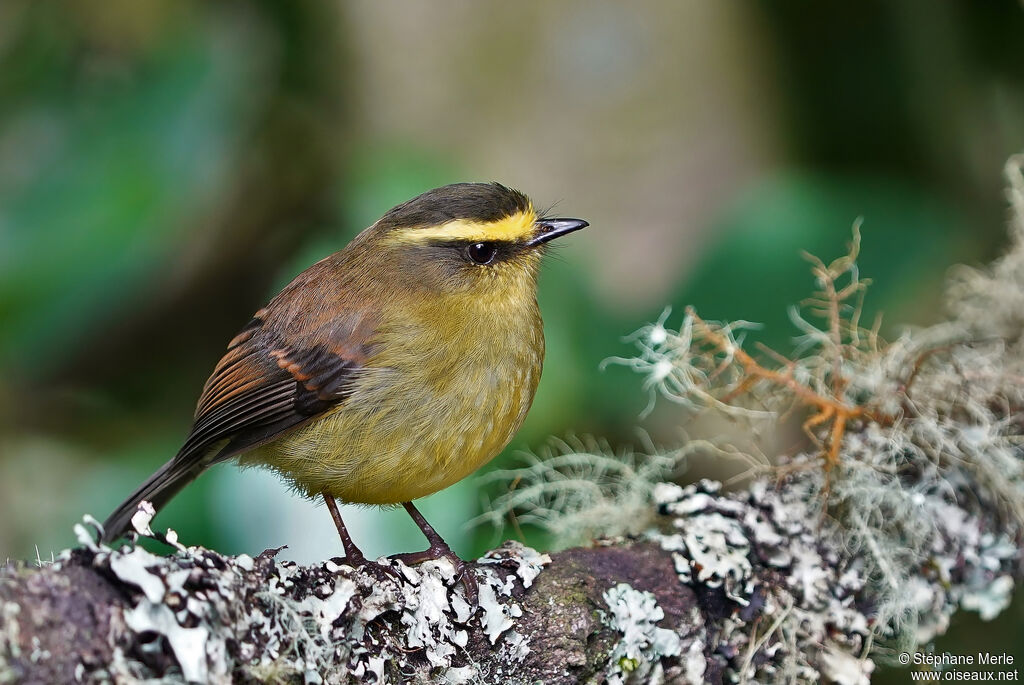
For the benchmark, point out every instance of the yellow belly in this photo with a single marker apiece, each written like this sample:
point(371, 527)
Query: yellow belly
point(414, 424)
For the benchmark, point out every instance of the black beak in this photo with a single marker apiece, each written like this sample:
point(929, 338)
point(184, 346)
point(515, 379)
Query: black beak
point(549, 229)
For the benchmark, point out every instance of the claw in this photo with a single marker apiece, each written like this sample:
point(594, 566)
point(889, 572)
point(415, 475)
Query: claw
point(439, 549)
point(463, 571)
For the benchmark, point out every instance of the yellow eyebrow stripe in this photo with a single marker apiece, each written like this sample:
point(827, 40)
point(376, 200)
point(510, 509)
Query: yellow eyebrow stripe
point(515, 227)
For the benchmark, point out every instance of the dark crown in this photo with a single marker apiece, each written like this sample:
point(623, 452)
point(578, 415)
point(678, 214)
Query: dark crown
point(484, 202)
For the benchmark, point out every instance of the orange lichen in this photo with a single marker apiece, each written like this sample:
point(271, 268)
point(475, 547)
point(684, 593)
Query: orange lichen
point(830, 410)
point(822, 389)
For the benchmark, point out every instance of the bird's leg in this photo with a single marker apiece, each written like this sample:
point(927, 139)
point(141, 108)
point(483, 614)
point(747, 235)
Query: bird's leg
point(438, 549)
point(352, 553)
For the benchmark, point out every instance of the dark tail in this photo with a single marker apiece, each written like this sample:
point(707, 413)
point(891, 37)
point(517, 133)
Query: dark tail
point(157, 490)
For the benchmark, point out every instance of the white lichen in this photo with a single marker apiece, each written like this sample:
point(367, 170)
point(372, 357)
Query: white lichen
point(497, 617)
point(219, 616)
point(188, 645)
point(739, 549)
point(710, 548)
point(142, 517)
point(635, 615)
point(529, 562)
point(133, 568)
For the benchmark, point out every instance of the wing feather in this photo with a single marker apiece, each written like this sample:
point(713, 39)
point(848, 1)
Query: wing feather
point(267, 383)
point(267, 380)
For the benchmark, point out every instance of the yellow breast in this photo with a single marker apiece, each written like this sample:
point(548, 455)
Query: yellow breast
point(439, 398)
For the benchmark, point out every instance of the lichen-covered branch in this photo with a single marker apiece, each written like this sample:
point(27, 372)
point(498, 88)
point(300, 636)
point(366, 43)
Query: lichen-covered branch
point(728, 586)
point(905, 505)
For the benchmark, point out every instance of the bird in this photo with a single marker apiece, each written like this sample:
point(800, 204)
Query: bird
point(386, 371)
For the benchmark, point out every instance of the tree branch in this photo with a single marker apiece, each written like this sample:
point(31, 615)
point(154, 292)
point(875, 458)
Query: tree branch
point(688, 600)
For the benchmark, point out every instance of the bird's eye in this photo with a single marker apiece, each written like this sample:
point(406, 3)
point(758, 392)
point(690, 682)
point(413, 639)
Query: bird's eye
point(481, 253)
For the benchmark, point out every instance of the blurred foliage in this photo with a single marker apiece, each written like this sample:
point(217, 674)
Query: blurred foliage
point(165, 167)
point(148, 159)
point(907, 233)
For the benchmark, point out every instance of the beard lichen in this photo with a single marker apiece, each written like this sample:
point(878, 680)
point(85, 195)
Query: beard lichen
point(906, 504)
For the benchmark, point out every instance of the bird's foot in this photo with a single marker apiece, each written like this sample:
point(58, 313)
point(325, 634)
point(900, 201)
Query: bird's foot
point(353, 557)
point(440, 550)
point(358, 561)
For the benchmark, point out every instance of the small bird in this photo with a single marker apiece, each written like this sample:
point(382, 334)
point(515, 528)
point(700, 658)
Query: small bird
point(386, 371)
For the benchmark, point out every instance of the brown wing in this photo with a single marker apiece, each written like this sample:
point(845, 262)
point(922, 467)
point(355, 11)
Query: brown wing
point(268, 382)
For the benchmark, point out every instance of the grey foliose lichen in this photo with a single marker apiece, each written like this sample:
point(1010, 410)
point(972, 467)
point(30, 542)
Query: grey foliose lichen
point(635, 614)
point(777, 597)
point(222, 619)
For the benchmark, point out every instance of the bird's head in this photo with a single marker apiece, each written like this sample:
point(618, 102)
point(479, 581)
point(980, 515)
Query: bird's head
point(481, 240)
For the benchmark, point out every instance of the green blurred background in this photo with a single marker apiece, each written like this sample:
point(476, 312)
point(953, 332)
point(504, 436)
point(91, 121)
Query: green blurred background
point(166, 166)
